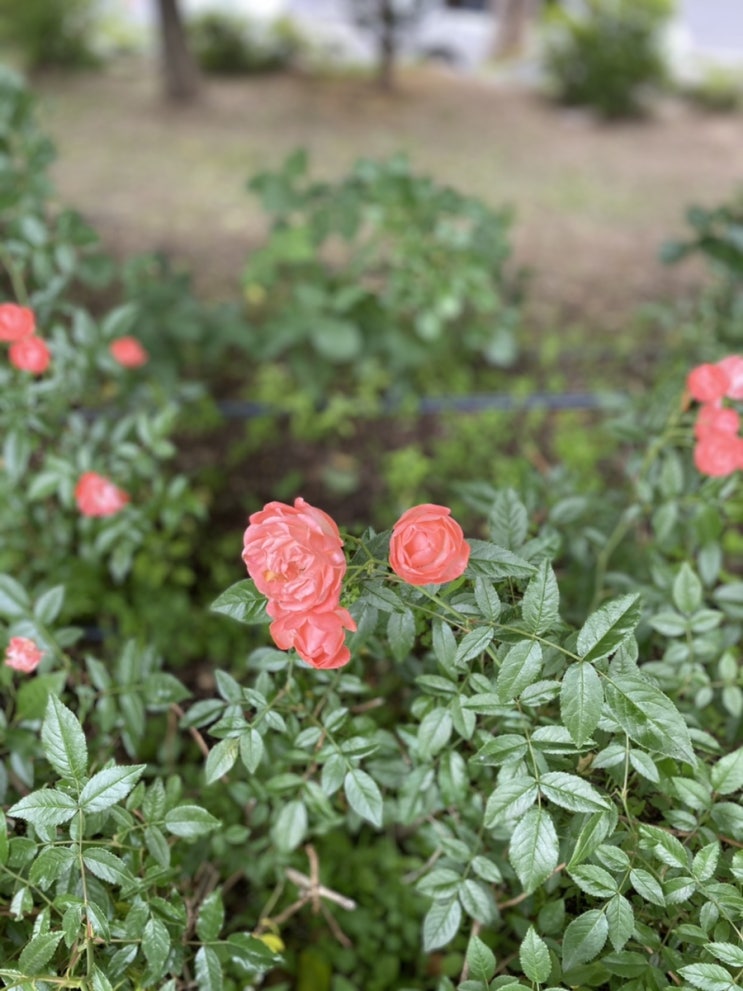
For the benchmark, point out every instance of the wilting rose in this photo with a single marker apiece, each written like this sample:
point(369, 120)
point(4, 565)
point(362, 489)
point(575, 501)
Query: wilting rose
point(427, 546)
point(318, 637)
point(22, 654)
point(16, 322)
point(706, 383)
point(95, 495)
point(294, 554)
point(30, 354)
point(718, 453)
point(128, 352)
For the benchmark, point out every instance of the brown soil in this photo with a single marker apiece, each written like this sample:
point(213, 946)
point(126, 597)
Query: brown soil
point(592, 202)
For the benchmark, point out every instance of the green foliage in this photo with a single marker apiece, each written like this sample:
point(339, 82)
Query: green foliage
point(50, 35)
point(606, 56)
point(227, 44)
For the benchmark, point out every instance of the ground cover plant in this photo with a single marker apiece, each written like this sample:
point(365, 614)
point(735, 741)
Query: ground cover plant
point(506, 755)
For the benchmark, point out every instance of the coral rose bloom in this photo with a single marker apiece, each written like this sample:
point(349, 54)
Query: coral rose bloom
point(23, 655)
point(427, 546)
point(128, 352)
point(706, 383)
point(718, 453)
point(16, 322)
point(294, 555)
point(716, 418)
point(30, 354)
point(733, 368)
point(318, 637)
point(97, 496)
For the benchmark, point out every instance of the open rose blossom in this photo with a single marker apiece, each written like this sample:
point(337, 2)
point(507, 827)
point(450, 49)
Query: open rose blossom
point(30, 354)
point(23, 655)
point(706, 383)
point(718, 453)
point(16, 322)
point(97, 496)
point(733, 368)
point(128, 352)
point(294, 554)
point(711, 417)
point(427, 546)
point(318, 637)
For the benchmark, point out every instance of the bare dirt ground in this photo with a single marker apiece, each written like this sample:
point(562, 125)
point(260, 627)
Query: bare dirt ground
point(592, 202)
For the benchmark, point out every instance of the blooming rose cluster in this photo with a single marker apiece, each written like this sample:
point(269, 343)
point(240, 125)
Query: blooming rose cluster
point(719, 448)
point(27, 351)
point(294, 554)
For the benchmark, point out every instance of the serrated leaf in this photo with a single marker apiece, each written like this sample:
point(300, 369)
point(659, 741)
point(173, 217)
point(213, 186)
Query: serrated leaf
point(487, 599)
point(606, 629)
point(534, 849)
point(99, 981)
point(221, 759)
point(190, 821)
point(727, 774)
point(444, 644)
point(729, 953)
point(401, 633)
point(106, 865)
point(594, 831)
point(14, 599)
point(540, 606)
point(364, 796)
point(210, 918)
point(480, 960)
point(648, 716)
point(581, 700)
point(50, 864)
point(477, 901)
point(491, 561)
point(534, 957)
point(44, 808)
point(472, 645)
point(647, 886)
point(242, 602)
point(708, 977)
point(687, 590)
point(644, 765)
point(506, 749)
point(510, 800)
point(155, 944)
point(251, 749)
point(572, 792)
point(441, 924)
point(434, 732)
point(665, 846)
point(520, 667)
point(38, 952)
point(64, 742)
point(705, 862)
point(290, 826)
point(109, 786)
point(594, 880)
point(584, 938)
point(208, 970)
point(620, 919)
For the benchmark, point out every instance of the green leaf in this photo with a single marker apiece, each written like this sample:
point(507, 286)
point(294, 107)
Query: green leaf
point(44, 808)
point(109, 786)
point(491, 561)
point(290, 826)
point(647, 886)
point(401, 633)
point(540, 606)
point(584, 938)
point(336, 340)
point(665, 846)
point(3, 838)
point(620, 919)
point(251, 749)
point(157, 845)
point(480, 960)
point(510, 800)
point(534, 957)
point(190, 821)
point(509, 748)
point(33, 696)
point(648, 716)
point(63, 740)
point(644, 765)
point(609, 627)
point(49, 865)
point(508, 519)
point(106, 865)
point(534, 849)
point(519, 668)
point(581, 699)
point(155, 944)
point(221, 758)
point(49, 604)
point(708, 977)
point(14, 600)
point(729, 953)
point(472, 645)
point(38, 952)
point(444, 644)
point(243, 602)
point(99, 981)
point(441, 924)
point(364, 796)
point(687, 590)
point(727, 773)
point(594, 831)
point(594, 880)
point(487, 599)
point(208, 970)
point(434, 732)
point(477, 901)
point(705, 862)
point(572, 792)
point(210, 919)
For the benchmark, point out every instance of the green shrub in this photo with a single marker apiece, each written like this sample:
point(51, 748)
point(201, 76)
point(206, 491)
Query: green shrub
point(606, 54)
point(719, 89)
point(50, 34)
point(227, 44)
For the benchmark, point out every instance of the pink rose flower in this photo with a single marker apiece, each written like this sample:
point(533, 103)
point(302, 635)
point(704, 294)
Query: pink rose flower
point(23, 655)
point(294, 555)
point(718, 453)
point(97, 496)
point(427, 546)
point(733, 368)
point(318, 637)
point(16, 322)
point(708, 382)
point(713, 417)
point(30, 354)
point(128, 352)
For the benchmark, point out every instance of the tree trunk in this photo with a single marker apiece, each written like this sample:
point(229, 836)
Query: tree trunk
point(387, 46)
point(513, 17)
point(180, 75)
